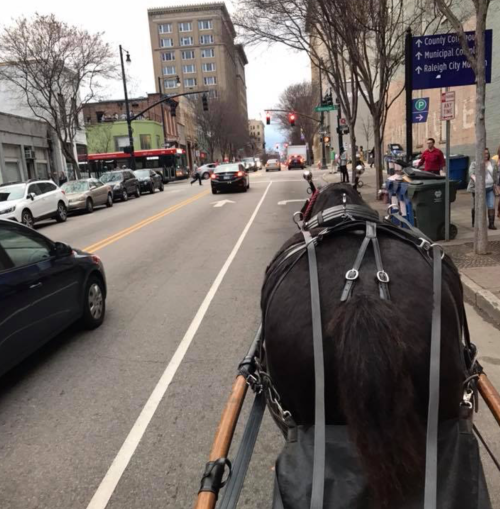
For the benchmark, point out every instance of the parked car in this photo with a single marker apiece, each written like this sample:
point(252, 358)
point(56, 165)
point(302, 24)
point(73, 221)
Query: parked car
point(86, 194)
point(149, 180)
point(249, 163)
point(45, 286)
point(273, 165)
point(206, 170)
point(296, 161)
point(32, 201)
point(230, 176)
point(124, 183)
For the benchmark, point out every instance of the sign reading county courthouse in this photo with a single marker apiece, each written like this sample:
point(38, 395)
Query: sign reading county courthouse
point(439, 60)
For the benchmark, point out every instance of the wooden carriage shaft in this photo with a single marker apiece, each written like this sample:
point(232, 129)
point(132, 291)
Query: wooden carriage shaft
point(490, 396)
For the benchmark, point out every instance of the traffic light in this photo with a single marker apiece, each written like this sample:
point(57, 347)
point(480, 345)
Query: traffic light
point(326, 139)
point(327, 100)
point(277, 146)
point(173, 108)
point(204, 100)
point(268, 118)
point(291, 118)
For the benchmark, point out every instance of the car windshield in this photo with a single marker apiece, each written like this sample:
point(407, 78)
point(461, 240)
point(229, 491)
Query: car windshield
point(223, 168)
point(142, 174)
point(111, 177)
point(248, 160)
point(10, 193)
point(78, 186)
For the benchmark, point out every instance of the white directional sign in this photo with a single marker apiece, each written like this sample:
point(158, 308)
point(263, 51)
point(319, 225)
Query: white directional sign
point(221, 203)
point(447, 105)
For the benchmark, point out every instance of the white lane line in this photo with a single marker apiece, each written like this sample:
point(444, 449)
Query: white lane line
point(113, 475)
point(275, 181)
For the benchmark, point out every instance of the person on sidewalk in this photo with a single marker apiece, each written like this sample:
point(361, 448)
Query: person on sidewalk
point(490, 181)
point(343, 166)
point(196, 175)
point(333, 156)
point(371, 157)
point(432, 159)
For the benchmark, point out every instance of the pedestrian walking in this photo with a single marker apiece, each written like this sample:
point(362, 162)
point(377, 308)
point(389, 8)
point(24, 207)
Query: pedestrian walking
point(372, 157)
point(361, 154)
point(196, 175)
point(333, 155)
point(491, 181)
point(432, 158)
point(343, 166)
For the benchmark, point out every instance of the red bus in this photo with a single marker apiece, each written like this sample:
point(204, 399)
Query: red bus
point(171, 163)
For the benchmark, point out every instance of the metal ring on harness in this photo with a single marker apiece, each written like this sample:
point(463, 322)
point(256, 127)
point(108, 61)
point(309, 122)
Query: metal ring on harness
point(352, 275)
point(382, 276)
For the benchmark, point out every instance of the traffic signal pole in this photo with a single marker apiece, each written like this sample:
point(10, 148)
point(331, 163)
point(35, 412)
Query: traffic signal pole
point(322, 124)
point(339, 130)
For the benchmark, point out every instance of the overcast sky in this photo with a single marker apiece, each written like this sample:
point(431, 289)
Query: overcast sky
point(269, 72)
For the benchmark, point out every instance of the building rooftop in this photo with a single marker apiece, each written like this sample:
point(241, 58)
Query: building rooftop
point(211, 6)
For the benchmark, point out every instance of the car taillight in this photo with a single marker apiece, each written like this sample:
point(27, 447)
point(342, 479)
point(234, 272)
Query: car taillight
point(95, 259)
point(214, 176)
point(240, 174)
point(63, 191)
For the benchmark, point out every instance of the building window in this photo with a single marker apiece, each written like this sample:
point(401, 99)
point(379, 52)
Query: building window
point(208, 53)
point(165, 28)
point(205, 24)
point(188, 55)
point(189, 69)
point(208, 67)
point(172, 83)
point(213, 94)
point(166, 57)
point(145, 142)
point(158, 141)
point(169, 70)
point(186, 41)
point(210, 80)
point(190, 82)
point(185, 27)
point(120, 142)
point(206, 39)
point(166, 43)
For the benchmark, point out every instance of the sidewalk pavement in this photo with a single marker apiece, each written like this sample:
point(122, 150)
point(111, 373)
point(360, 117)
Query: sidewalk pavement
point(480, 274)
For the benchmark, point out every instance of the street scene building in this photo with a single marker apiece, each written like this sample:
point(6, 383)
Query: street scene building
point(256, 129)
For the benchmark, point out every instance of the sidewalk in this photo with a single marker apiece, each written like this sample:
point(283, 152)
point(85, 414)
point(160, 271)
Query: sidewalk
point(480, 274)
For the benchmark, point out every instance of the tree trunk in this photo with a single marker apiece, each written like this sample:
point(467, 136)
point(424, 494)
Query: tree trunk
point(70, 156)
point(480, 227)
point(378, 158)
point(353, 155)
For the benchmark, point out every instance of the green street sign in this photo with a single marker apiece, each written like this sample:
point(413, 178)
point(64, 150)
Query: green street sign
point(333, 107)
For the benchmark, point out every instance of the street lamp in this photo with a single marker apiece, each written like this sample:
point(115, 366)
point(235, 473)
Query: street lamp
point(127, 107)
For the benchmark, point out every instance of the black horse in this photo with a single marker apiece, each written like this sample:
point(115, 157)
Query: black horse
point(376, 351)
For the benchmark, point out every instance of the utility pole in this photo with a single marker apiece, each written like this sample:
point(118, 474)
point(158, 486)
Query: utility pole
point(162, 113)
point(339, 130)
point(322, 124)
point(129, 121)
point(409, 95)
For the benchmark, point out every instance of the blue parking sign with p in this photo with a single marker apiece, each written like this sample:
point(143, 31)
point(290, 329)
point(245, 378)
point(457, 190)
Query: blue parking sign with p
point(420, 110)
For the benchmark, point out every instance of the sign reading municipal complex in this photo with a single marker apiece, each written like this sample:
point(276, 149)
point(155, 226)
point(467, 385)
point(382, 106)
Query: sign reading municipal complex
point(439, 60)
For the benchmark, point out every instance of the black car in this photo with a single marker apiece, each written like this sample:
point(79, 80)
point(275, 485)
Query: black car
point(229, 177)
point(123, 182)
point(296, 162)
point(149, 180)
point(45, 286)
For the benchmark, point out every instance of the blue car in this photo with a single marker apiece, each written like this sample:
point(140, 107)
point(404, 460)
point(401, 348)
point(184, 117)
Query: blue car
point(45, 286)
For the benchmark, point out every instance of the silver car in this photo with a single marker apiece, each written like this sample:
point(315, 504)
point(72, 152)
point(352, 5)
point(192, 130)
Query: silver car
point(86, 194)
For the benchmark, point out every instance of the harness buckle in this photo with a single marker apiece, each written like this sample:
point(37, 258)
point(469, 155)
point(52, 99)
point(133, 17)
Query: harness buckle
point(424, 244)
point(352, 275)
point(382, 276)
point(441, 248)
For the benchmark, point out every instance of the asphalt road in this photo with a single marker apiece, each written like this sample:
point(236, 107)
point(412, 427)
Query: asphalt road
point(123, 417)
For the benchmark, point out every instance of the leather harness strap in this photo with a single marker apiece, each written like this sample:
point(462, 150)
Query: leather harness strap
point(431, 455)
point(318, 477)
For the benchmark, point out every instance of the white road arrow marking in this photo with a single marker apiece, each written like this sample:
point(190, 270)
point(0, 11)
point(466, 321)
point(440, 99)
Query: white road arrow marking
point(284, 202)
point(418, 69)
point(221, 203)
point(419, 55)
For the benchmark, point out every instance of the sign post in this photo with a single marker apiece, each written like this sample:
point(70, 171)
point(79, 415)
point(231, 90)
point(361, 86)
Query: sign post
point(447, 114)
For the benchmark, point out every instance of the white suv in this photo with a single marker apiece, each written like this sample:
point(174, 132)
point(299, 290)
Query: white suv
point(31, 201)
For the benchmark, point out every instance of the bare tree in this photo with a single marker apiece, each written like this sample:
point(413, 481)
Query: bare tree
point(367, 126)
point(55, 69)
point(300, 98)
point(476, 59)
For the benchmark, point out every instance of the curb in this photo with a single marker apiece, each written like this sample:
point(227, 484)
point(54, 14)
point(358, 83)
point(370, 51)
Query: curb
point(480, 298)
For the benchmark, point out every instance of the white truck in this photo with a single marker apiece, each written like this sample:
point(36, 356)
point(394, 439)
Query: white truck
point(296, 156)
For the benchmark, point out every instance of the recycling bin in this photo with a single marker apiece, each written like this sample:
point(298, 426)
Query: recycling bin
point(459, 170)
point(427, 197)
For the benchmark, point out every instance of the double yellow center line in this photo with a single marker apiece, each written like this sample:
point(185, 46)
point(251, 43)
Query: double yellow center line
point(141, 224)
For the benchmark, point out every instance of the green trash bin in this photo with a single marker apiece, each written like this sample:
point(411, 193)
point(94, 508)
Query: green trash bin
point(428, 203)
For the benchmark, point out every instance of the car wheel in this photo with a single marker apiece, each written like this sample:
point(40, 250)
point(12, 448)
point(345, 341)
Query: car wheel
point(152, 190)
point(89, 206)
point(124, 195)
point(109, 201)
point(214, 191)
point(62, 212)
point(162, 187)
point(206, 175)
point(94, 303)
point(245, 189)
point(27, 218)
point(138, 192)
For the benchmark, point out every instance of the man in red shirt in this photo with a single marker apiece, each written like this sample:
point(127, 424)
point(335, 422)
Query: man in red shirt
point(432, 158)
